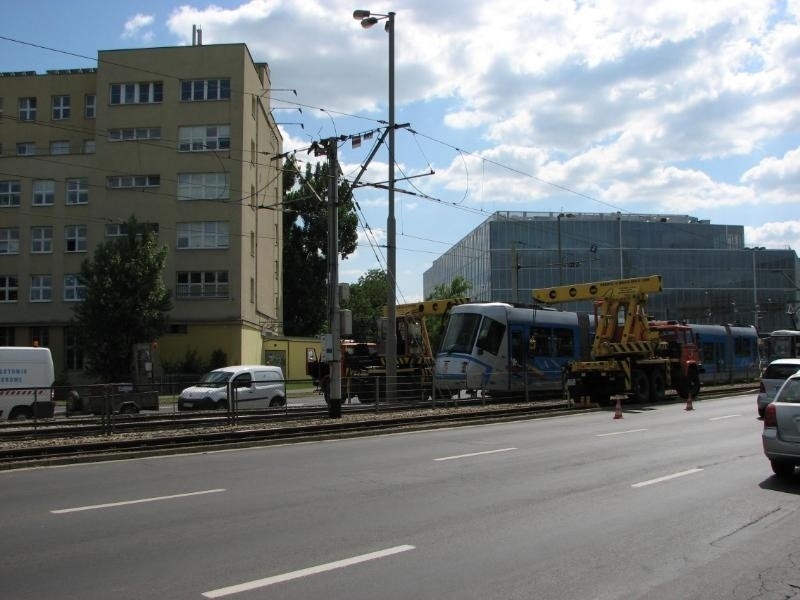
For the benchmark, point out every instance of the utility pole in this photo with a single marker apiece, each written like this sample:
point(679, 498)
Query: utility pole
point(335, 368)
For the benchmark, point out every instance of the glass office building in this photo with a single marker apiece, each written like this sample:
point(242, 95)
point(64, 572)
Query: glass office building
point(709, 275)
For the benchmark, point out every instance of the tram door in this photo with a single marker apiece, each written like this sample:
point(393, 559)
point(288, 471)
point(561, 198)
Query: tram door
point(518, 360)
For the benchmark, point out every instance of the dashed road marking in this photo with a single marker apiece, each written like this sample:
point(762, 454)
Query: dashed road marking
point(62, 511)
point(665, 478)
point(338, 564)
point(471, 454)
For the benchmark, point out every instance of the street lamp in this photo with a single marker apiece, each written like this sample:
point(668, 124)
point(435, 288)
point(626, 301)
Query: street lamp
point(369, 19)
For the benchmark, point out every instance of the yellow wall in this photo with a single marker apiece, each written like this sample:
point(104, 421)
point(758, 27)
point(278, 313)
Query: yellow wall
point(293, 351)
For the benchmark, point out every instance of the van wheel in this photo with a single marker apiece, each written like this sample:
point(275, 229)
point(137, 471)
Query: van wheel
point(277, 401)
point(129, 409)
point(20, 413)
point(222, 404)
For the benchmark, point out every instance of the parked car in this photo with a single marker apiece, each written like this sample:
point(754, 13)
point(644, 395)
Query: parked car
point(114, 398)
point(255, 386)
point(772, 379)
point(781, 436)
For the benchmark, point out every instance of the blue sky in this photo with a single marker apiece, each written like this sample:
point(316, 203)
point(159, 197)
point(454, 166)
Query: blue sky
point(670, 106)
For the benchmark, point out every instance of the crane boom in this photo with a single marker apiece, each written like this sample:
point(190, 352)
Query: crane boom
point(615, 289)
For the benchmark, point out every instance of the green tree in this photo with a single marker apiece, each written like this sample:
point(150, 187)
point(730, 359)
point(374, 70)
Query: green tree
point(458, 288)
point(126, 301)
point(305, 245)
point(367, 299)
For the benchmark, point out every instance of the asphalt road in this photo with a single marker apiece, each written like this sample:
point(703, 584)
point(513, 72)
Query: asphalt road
point(663, 503)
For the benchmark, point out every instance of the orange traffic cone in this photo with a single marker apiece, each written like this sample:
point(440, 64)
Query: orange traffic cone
point(618, 409)
point(689, 403)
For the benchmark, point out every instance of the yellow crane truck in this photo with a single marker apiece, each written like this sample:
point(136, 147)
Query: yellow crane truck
point(630, 355)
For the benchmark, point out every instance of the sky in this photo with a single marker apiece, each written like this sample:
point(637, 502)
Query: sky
point(688, 107)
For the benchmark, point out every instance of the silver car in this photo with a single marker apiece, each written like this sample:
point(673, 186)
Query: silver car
point(771, 381)
point(781, 436)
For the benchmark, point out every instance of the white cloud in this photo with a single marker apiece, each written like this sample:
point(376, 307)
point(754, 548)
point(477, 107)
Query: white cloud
point(135, 27)
point(776, 179)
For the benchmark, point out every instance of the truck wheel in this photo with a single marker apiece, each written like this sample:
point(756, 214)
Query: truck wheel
point(658, 387)
point(640, 386)
point(688, 386)
point(20, 413)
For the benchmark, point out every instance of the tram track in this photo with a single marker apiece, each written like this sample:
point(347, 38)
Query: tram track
point(131, 436)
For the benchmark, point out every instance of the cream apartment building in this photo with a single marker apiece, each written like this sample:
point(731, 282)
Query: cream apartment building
point(180, 137)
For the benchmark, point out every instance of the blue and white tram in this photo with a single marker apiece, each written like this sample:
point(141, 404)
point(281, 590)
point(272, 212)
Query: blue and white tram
point(729, 353)
point(506, 351)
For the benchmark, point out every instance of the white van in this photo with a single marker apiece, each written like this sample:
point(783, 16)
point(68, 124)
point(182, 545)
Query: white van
point(255, 386)
point(26, 383)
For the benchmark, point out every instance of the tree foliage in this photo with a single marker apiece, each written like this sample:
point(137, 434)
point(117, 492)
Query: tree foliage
point(305, 245)
point(367, 299)
point(457, 288)
point(126, 301)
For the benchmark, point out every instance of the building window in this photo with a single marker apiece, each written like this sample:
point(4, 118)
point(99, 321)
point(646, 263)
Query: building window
point(9, 288)
point(40, 336)
point(7, 336)
point(9, 240)
point(78, 190)
point(59, 147)
point(204, 137)
point(144, 92)
point(133, 181)
point(61, 108)
point(89, 146)
point(41, 240)
point(204, 235)
point(10, 193)
point(202, 284)
point(27, 109)
point(26, 149)
point(115, 230)
point(75, 238)
point(203, 186)
point(134, 133)
point(73, 355)
point(44, 192)
point(41, 288)
point(252, 290)
point(205, 89)
point(74, 290)
point(252, 243)
point(90, 107)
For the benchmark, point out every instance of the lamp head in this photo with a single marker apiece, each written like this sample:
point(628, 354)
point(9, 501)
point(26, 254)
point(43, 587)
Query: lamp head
point(360, 14)
point(368, 22)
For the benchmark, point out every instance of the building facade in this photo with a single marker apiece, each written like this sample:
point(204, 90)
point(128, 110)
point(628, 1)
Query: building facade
point(180, 138)
point(709, 275)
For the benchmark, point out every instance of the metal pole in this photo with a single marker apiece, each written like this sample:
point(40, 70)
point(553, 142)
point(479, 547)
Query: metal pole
point(755, 292)
point(391, 248)
point(515, 274)
point(335, 369)
point(560, 263)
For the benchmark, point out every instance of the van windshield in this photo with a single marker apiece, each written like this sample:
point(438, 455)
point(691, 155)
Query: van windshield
point(214, 379)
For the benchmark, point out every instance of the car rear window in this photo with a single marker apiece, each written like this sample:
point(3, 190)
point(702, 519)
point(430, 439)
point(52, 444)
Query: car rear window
point(780, 371)
point(790, 392)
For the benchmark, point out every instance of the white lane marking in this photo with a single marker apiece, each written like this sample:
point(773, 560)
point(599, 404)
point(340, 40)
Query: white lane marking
point(665, 478)
point(338, 564)
point(139, 501)
point(473, 454)
point(620, 432)
point(725, 417)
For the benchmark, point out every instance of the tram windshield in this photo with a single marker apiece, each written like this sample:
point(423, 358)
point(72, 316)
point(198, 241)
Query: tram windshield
point(462, 330)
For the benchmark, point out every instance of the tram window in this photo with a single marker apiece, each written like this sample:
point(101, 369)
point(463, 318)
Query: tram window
point(490, 336)
point(741, 347)
point(565, 342)
point(541, 345)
